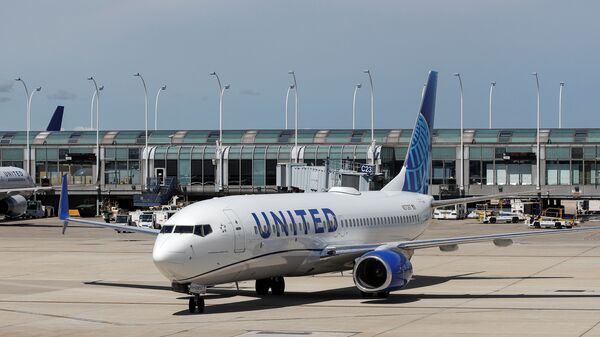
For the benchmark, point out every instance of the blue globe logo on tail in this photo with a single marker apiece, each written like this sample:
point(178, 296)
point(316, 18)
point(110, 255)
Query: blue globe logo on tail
point(417, 161)
point(414, 176)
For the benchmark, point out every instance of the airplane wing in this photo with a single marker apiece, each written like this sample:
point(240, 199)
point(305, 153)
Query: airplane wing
point(13, 191)
point(445, 244)
point(63, 214)
point(450, 202)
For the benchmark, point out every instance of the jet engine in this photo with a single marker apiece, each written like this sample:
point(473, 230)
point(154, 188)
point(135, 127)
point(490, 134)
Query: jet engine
point(13, 206)
point(382, 271)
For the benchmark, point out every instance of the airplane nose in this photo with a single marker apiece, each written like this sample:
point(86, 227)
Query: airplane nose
point(169, 258)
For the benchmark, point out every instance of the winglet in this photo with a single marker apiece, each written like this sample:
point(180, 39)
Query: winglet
point(63, 207)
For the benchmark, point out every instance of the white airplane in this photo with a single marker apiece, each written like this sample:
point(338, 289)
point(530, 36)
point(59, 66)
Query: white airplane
point(16, 185)
point(268, 237)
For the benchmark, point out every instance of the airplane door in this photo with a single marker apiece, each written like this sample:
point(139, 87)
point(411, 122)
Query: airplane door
point(239, 236)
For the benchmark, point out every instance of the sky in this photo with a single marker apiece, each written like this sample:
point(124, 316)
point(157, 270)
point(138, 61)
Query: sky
point(252, 44)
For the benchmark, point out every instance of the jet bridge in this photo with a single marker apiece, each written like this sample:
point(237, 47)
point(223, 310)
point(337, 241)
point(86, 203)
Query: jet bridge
point(299, 177)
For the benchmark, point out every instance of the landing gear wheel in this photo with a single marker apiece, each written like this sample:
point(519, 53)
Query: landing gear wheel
point(192, 305)
point(200, 304)
point(196, 303)
point(383, 294)
point(277, 285)
point(262, 286)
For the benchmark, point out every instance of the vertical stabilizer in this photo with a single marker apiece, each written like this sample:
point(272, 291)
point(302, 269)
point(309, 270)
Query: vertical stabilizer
point(414, 176)
point(56, 120)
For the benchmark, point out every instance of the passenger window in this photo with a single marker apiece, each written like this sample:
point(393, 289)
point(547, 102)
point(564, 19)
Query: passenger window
point(203, 230)
point(166, 229)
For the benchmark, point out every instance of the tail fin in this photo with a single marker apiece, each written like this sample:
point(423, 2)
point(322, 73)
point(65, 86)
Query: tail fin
point(56, 120)
point(414, 176)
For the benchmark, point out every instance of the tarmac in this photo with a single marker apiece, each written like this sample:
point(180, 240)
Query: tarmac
point(95, 282)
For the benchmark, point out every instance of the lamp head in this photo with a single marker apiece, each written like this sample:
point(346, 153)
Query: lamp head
point(91, 78)
point(38, 89)
point(457, 74)
point(101, 88)
point(562, 84)
point(226, 86)
point(359, 85)
point(164, 87)
point(137, 74)
point(494, 83)
point(292, 86)
point(534, 73)
point(291, 72)
point(366, 71)
point(214, 73)
point(18, 79)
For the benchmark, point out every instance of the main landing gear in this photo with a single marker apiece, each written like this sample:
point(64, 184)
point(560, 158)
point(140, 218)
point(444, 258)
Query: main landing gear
point(276, 284)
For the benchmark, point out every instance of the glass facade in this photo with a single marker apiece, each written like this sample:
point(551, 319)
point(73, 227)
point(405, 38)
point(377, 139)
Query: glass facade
point(496, 157)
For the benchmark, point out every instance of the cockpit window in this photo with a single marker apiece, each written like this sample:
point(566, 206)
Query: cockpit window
point(166, 229)
point(183, 229)
point(202, 230)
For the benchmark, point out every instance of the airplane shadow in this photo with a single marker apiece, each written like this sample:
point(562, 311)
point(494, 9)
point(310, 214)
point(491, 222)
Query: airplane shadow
point(292, 298)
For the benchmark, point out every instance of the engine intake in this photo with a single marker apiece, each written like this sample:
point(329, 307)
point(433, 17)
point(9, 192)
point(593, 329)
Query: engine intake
point(382, 270)
point(13, 206)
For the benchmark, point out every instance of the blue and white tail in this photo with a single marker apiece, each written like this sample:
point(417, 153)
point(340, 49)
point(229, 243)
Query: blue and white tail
point(414, 176)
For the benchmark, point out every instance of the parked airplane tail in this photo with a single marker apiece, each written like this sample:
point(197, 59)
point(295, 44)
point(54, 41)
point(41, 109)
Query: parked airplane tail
point(56, 120)
point(414, 175)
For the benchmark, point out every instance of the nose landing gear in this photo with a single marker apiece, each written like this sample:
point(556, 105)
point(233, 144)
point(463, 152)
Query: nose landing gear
point(196, 303)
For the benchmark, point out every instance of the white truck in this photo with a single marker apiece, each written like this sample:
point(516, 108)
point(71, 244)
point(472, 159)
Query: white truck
point(148, 220)
point(455, 212)
point(550, 222)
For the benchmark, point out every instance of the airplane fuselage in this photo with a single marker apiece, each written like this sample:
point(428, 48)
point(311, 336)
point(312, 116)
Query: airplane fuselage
point(260, 236)
point(14, 178)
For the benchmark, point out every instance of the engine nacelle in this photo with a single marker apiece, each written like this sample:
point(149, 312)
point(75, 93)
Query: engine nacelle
point(13, 206)
point(382, 270)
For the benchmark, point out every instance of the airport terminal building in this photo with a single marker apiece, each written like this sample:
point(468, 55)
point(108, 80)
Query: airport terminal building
point(495, 160)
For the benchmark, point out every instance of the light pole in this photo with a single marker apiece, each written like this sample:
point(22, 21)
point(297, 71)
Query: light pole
point(100, 88)
point(356, 87)
point(287, 96)
point(220, 143)
point(373, 149)
point(537, 155)
point(97, 97)
point(492, 85)
point(291, 72)
point(26, 120)
point(462, 171)
point(29, 97)
point(146, 173)
point(163, 88)
point(562, 84)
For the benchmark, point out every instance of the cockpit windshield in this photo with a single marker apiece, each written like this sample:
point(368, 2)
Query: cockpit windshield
point(166, 229)
point(200, 230)
point(183, 229)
